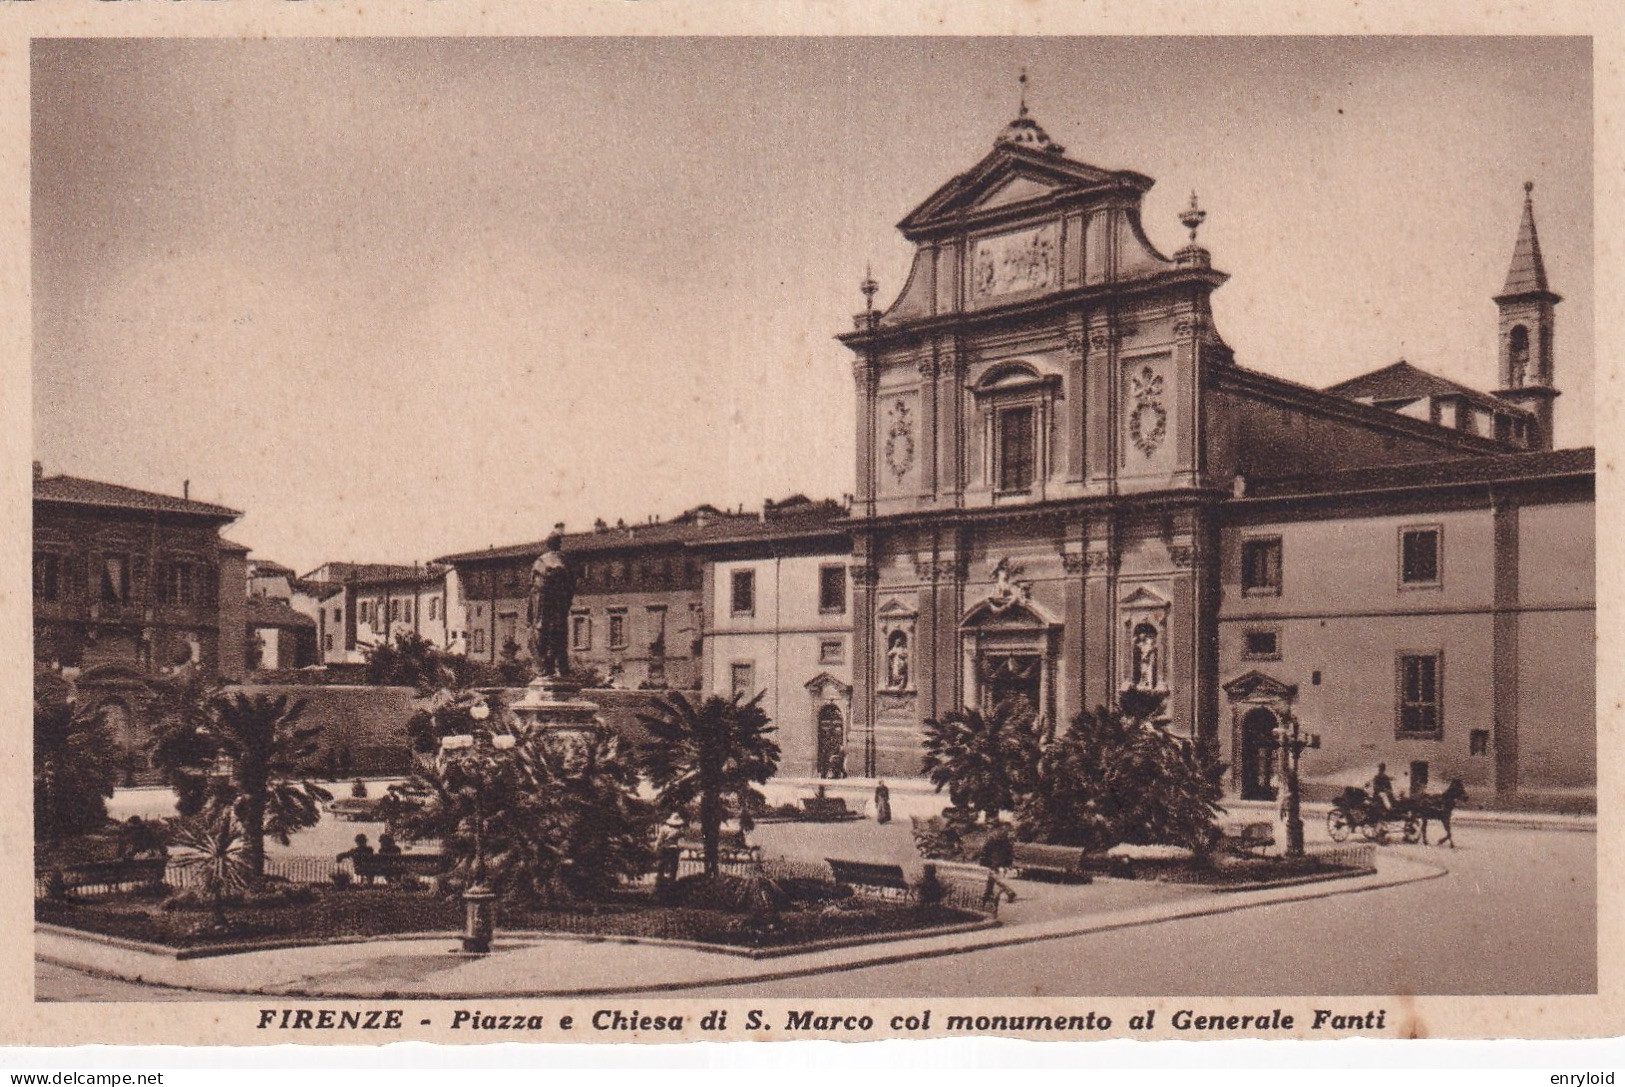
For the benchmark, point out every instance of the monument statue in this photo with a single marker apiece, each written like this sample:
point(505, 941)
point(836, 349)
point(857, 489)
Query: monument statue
point(552, 587)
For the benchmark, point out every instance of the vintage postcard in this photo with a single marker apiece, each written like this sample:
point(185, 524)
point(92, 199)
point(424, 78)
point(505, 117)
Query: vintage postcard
point(581, 525)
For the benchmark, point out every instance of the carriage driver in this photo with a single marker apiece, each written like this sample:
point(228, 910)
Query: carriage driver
point(1382, 788)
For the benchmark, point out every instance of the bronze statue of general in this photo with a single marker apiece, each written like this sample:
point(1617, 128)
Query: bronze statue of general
point(552, 587)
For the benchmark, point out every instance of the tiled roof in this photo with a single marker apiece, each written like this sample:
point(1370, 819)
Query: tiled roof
point(89, 492)
point(339, 572)
point(1438, 473)
point(702, 524)
point(263, 611)
point(1402, 381)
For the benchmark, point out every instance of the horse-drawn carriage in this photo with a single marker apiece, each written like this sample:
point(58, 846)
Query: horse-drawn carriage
point(1355, 809)
point(1371, 814)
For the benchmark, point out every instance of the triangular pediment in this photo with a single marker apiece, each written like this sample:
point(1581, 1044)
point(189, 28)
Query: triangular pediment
point(1014, 191)
point(894, 609)
point(1145, 598)
point(1010, 176)
point(824, 685)
point(1255, 686)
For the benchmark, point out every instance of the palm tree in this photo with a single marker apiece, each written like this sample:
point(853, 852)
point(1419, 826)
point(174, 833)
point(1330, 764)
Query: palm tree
point(76, 762)
point(212, 845)
point(985, 761)
point(711, 751)
point(248, 753)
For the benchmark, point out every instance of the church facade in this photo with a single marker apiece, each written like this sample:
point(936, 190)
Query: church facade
point(1066, 485)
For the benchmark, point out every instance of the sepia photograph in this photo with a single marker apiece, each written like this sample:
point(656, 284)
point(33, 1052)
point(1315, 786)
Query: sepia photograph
point(805, 520)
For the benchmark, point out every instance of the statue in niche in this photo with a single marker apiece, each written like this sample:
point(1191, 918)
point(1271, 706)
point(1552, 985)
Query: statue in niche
point(1147, 658)
point(552, 588)
point(897, 661)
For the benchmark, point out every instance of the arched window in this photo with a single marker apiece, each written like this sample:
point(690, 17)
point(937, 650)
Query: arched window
point(1518, 355)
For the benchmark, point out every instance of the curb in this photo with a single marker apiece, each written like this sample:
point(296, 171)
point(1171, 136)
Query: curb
point(1411, 870)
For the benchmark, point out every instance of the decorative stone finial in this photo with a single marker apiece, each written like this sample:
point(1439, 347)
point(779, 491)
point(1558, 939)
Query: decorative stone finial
point(869, 287)
point(1193, 217)
point(1023, 82)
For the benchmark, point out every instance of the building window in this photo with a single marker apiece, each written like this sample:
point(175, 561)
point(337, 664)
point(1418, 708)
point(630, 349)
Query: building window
point(617, 630)
point(832, 590)
point(657, 629)
point(1017, 449)
point(743, 679)
point(406, 611)
point(1421, 703)
point(479, 641)
point(1261, 645)
point(394, 611)
point(1261, 566)
point(581, 632)
point(46, 570)
point(177, 583)
point(743, 595)
point(434, 608)
point(696, 630)
point(832, 651)
point(1478, 741)
point(338, 615)
point(1419, 556)
point(327, 643)
point(115, 581)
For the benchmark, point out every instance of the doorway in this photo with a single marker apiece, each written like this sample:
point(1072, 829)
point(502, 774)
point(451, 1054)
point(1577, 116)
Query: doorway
point(1011, 676)
point(1258, 753)
point(831, 742)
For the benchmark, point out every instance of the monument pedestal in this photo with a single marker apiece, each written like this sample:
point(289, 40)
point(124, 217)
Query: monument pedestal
point(552, 705)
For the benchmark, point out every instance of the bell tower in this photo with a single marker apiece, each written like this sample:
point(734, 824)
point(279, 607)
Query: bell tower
point(1526, 306)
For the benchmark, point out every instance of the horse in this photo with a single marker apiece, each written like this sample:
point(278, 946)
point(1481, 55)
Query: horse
point(1439, 807)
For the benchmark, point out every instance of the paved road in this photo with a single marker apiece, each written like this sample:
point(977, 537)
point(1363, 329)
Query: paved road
point(1516, 914)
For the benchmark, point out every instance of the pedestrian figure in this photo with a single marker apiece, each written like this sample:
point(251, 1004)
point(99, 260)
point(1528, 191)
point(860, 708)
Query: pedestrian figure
point(358, 791)
point(668, 852)
point(361, 849)
point(387, 846)
point(882, 803)
point(837, 765)
point(998, 855)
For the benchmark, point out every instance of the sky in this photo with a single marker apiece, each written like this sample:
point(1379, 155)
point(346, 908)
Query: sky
point(396, 298)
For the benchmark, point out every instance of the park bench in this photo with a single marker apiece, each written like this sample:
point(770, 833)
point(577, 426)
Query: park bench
point(1056, 863)
point(885, 877)
point(827, 809)
point(116, 874)
point(1251, 837)
point(358, 809)
point(390, 867)
point(732, 848)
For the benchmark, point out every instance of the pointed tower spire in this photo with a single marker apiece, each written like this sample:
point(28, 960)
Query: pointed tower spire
point(1527, 274)
point(1527, 334)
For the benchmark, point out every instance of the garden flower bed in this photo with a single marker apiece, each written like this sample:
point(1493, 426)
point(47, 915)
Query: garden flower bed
point(320, 914)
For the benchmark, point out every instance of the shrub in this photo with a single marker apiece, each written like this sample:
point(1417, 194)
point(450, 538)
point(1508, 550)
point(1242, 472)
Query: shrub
point(986, 762)
point(340, 878)
point(1113, 778)
point(929, 890)
point(731, 894)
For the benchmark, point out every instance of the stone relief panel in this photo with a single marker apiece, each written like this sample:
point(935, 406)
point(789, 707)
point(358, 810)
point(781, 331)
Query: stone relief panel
point(1148, 407)
point(1017, 261)
point(899, 443)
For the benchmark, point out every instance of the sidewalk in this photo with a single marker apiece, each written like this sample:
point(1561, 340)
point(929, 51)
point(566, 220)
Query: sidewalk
point(526, 964)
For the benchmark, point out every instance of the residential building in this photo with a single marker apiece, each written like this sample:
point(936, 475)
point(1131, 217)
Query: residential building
point(126, 586)
point(778, 596)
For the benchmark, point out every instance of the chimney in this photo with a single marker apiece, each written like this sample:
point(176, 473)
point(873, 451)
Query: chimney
point(186, 488)
point(39, 471)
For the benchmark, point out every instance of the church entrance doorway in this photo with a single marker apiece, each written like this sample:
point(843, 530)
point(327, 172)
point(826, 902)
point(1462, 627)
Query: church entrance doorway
point(831, 743)
point(1258, 755)
point(1013, 675)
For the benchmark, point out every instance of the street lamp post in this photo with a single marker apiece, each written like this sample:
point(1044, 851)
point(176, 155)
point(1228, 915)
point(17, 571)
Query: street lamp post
point(1292, 741)
point(479, 900)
